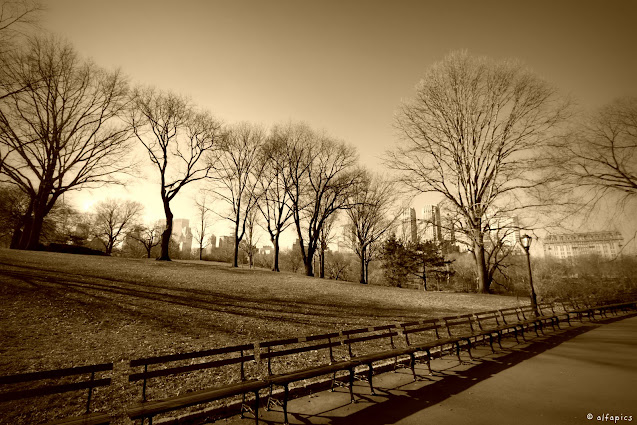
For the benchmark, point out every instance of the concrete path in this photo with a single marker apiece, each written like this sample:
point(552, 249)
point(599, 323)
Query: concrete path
point(565, 377)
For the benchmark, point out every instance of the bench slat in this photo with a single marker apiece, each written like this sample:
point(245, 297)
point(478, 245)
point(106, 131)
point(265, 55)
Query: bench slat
point(54, 389)
point(189, 368)
point(192, 355)
point(151, 408)
point(57, 373)
point(286, 352)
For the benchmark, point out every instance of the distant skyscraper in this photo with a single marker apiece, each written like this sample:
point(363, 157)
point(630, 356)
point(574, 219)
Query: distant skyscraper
point(182, 235)
point(431, 228)
point(408, 226)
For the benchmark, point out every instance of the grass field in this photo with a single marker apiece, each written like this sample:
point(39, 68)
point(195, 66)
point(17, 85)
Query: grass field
point(61, 310)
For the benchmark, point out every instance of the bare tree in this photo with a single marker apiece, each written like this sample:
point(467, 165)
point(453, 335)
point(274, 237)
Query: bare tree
point(371, 216)
point(274, 202)
point(249, 244)
point(148, 235)
point(325, 238)
point(202, 204)
point(15, 17)
point(177, 138)
point(113, 219)
point(601, 152)
point(237, 171)
point(476, 132)
point(63, 131)
point(320, 176)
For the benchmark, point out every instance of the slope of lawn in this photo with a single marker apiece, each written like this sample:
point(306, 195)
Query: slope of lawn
point(62, 310)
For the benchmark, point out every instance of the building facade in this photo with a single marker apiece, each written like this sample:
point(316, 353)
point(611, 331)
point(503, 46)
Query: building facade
point(567, 245)
point(408, 226)
point(182, 234)
point(431, 228)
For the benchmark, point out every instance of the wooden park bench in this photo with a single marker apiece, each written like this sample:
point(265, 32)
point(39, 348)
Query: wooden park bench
point(512, 319)
point(421, 336)
point(574, 309)
point(57, 382)
point(309, 357)
point(365, 346)
point(541, 320)
point(464, 327)
point(206, 361)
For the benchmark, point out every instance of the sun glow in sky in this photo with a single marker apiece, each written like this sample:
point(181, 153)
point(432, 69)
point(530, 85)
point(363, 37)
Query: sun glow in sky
point(341, 66)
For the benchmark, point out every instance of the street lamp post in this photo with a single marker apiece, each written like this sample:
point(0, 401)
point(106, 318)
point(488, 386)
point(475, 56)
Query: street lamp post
point(525, 241)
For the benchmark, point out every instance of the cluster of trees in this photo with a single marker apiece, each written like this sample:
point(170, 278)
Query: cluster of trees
point(421, 261)
point(492, 138)
point(488, 136)
point(67, 124)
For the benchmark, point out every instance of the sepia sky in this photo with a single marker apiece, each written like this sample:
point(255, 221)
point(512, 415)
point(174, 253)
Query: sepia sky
point(342, 66)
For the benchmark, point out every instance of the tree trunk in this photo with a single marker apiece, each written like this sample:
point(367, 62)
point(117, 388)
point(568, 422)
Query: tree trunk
point(362, 257)
point(275, 264)
point(322, 264)
point(166, 234)
point(33, 230)
point(307, 261)
point(483, 281)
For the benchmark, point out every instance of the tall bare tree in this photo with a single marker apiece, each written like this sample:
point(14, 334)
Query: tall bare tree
point(320, 176)
point(249, 243)
point(62, 131)
point(202, 205)
point(601, 152)
point(274, 202)
point(15, 17)
point(237, 167)
point(113, 219)
point(177, 138)
point(476, 132)
point(372, 214)
point(147, 235)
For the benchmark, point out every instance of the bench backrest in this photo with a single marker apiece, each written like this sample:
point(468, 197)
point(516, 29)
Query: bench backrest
point(49, 382)
point(368, 340)
point(546, 309)
point(510, 315)
point(175, 364)
point(322, 345)
point(458, 324)
point(488, 319)
point(421, 331)
point(527, 312)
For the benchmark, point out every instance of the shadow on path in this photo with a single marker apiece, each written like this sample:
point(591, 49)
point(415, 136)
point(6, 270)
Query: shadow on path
point(397, 407)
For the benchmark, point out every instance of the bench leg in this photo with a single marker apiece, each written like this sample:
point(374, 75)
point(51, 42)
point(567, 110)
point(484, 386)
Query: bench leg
point(351, 386)
point(469, 348)
point(256, 407)
point(370, 374)
point(500, 340)
point(286, 393)
point(413, 364)
point(491, 343)
point(429, 362)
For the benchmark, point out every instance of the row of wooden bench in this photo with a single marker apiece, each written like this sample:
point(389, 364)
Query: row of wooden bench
point(280, 363)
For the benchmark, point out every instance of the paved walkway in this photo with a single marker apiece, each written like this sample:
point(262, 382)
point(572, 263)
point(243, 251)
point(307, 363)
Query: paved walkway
point(556, 379)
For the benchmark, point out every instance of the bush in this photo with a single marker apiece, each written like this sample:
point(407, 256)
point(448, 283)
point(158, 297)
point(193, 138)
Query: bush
point(70, 249)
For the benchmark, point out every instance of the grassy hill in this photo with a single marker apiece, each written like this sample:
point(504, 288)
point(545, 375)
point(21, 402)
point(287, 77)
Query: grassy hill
point(63, 310)
point(59, 308)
